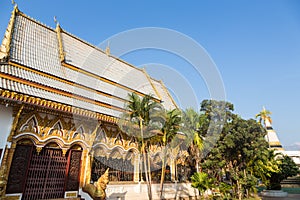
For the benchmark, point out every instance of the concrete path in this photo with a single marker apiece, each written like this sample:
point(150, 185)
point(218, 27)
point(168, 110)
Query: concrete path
point(289, 197)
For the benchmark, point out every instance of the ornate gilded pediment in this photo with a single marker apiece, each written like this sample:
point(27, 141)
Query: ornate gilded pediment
point(57, 129)
point(79, 133)
point(101, 135)
point(31, 125)
point(119, 140)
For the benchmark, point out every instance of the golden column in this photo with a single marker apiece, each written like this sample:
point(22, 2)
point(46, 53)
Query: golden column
point(136, 174)
point(85, 171)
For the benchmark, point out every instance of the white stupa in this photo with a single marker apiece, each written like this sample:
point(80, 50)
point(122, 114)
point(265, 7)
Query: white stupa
point(272, 137)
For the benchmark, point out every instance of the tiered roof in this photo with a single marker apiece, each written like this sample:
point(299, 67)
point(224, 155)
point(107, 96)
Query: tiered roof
point(55, 69)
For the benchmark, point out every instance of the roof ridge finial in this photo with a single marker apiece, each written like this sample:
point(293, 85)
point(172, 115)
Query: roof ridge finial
point(107, 49)
point(15, 5)
point(56, 21)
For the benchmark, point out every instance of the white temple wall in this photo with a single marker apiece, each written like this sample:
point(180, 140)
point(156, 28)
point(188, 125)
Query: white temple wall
point(6, 120)
point(138, 191)
point(295, 155)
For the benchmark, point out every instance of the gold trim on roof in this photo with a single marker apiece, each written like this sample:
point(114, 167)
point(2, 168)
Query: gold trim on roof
point(62, 54)
point(57, 91)
point(66, 81)
point(154, 88)
point(80, 70)
point(275, 143)
point(59, 32)
point(60, 44)
point(34, 20)
point(100, 50)
point(5, 46)
point(169, 95)
point(56, 106)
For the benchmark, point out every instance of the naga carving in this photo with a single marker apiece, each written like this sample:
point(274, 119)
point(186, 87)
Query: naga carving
point(97, 190)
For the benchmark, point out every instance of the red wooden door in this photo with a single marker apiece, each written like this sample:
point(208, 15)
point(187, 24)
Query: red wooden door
point(73, 170)
point(46, 175)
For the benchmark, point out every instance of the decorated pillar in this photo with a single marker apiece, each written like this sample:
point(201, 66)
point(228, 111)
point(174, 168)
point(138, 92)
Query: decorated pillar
point(88, 167)
point(136, 168)
point(5, 168)
point(11, 152)
point(85, 168)
point(3, 174)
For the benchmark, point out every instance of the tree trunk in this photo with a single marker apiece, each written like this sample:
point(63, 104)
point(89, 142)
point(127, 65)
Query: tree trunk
point(247, 190)
point(239, 192)
point(146, 174)
point(149, 174)
point(163, 171)
point(145, 162)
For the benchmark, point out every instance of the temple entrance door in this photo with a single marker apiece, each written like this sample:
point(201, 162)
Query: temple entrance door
point(46, 175)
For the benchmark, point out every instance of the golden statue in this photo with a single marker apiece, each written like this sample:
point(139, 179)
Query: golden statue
point(97, 190)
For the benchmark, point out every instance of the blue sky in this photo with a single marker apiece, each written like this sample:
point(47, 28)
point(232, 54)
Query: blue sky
point(254, 44)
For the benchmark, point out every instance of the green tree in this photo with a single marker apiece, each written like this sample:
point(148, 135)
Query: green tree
point(287, 168)
point(224, 189)
point(170, 127)
point(191, 128)
point(214, 116)
point(217, 111)
point(263, 164)
point(236, 152)
point(245, 138)
point(202, 182)
point(138, 122)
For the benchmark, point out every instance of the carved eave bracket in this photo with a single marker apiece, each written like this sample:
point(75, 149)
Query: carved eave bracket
point(15, 123)
point(92, 137)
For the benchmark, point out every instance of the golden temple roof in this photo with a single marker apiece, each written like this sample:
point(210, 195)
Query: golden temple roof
point(56, 66)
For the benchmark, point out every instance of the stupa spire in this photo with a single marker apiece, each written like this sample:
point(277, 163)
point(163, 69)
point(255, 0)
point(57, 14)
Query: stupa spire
point(271, 136)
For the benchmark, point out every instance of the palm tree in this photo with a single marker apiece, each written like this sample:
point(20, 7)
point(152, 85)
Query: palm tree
point(171, 125)
point(264, 115)
point(139, 115)
point(191, 124)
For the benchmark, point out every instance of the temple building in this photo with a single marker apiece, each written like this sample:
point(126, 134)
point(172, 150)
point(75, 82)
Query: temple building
point(60, 101)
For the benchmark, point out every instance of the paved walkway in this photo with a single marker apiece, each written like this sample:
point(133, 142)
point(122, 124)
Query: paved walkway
point(289, 197)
